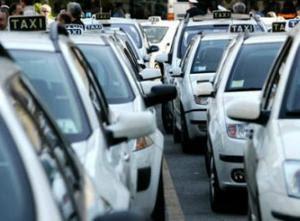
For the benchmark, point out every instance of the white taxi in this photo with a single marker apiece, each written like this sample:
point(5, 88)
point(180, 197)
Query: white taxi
point(272, 160)
point(242, 73)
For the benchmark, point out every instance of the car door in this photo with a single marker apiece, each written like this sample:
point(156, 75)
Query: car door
point(58, 161)
point(118, 155)
point(258, 135)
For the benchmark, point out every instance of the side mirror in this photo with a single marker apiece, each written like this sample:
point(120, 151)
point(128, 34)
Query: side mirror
point(162, 58)
point(146, 58)
point(147, 85)
point(160, 94)
point(130, 125)
point(150, 74)
point(177, 72)
point(204, 89)
point(247, 110)
point(152, 49)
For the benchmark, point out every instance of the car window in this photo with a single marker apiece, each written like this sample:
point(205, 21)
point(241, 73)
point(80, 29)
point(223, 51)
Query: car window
point(110, 74)
point(52, 80)
point(252, 66)
point(290, 105)
point(95, 90)
point(16, 199)
point(132, 31)
point(189, 32)
point(186, 58)
point(209, 55)
point(58, 167)
point(155, 34)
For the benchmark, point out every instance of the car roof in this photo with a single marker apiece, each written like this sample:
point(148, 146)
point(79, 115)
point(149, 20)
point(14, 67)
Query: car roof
point(121, 21)
point(89, 38)
point(39, 41)
point(218, 36)
point(162, 23)
point(265, 38)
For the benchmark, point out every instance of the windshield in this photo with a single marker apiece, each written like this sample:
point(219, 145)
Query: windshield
point(16, 202)
point(291, 105)
point(50, 78)
point(208, 56)
point(109, 73)
point(190, 32)
point(252, 66)
point(155, 34)
point(132, 31)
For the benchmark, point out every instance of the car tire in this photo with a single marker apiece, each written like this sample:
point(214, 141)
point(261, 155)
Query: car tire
point(167, 118)
point(215, 193)
point(159, 213)
point(185, 140)
point(176, 132)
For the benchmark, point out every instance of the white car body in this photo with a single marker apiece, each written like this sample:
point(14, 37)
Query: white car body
point(92, 152)
point(166, 41)
point(225, 151)
point(195, 113)
point(45, 195)
point(272, 148)
point(148, 159)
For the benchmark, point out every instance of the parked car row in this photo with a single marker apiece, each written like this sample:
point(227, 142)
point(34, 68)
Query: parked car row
point(237, 103)
point(79, 123)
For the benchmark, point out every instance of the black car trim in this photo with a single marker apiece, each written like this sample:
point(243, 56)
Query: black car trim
point(232, 159)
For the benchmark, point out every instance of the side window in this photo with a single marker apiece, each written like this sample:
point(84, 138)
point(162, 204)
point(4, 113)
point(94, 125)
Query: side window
point(271, 86)
point(60, 170)
point(96, 95)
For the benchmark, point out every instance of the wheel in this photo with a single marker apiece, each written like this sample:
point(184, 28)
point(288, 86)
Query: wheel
point(185, 140)
point(158, 213)
point(167, 118)
point(215, 193)
point(176, 132)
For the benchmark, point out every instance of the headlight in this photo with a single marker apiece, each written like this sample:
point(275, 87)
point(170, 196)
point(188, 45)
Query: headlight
point(237, 131)
point(142, 143)
point(292, 177)
point(201, 100)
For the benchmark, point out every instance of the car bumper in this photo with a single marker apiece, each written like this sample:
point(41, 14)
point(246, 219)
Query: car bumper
point(147, 172)
point(279, 207)
point(196, 123)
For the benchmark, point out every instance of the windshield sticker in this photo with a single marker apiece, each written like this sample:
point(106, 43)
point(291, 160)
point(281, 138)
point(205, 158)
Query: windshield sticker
point(67, 126)
point(237, 84)
point(200, 68)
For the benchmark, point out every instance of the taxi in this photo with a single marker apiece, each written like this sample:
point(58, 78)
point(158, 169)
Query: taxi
point(272, 159)
point(199, 65)
point(60, 74)
point(241, 73)
point(42, 173)
point(123, 93)
point(218, 21)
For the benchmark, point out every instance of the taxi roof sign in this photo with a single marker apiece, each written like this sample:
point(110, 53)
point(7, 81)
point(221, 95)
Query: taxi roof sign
point(278, 26)
point(92, 27)
point(238, 28)
point(221, 14)
point(293, 22)
point(103, 16)
point(27, 23)
point(74, 29)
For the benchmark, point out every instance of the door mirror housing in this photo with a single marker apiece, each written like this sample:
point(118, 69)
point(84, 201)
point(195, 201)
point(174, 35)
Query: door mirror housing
point(152, 49)
point(130, 125)
point(150, 74)
point(205, 89)
point(177, 72)
point(160, 94)
point(162, 58)
point(147, 85)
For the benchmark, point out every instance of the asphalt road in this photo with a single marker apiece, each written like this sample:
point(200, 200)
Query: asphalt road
point(191, 185)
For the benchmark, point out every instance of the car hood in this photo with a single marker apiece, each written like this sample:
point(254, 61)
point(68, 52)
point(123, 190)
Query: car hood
point(289, 133)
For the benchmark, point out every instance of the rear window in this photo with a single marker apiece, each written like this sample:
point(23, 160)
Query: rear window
point(252, 66)
point(109, 73)
point(155, 34)
point(208, 56)
point(189, 32)
point(132, 31)
point(16, 201)
point(50, 78)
